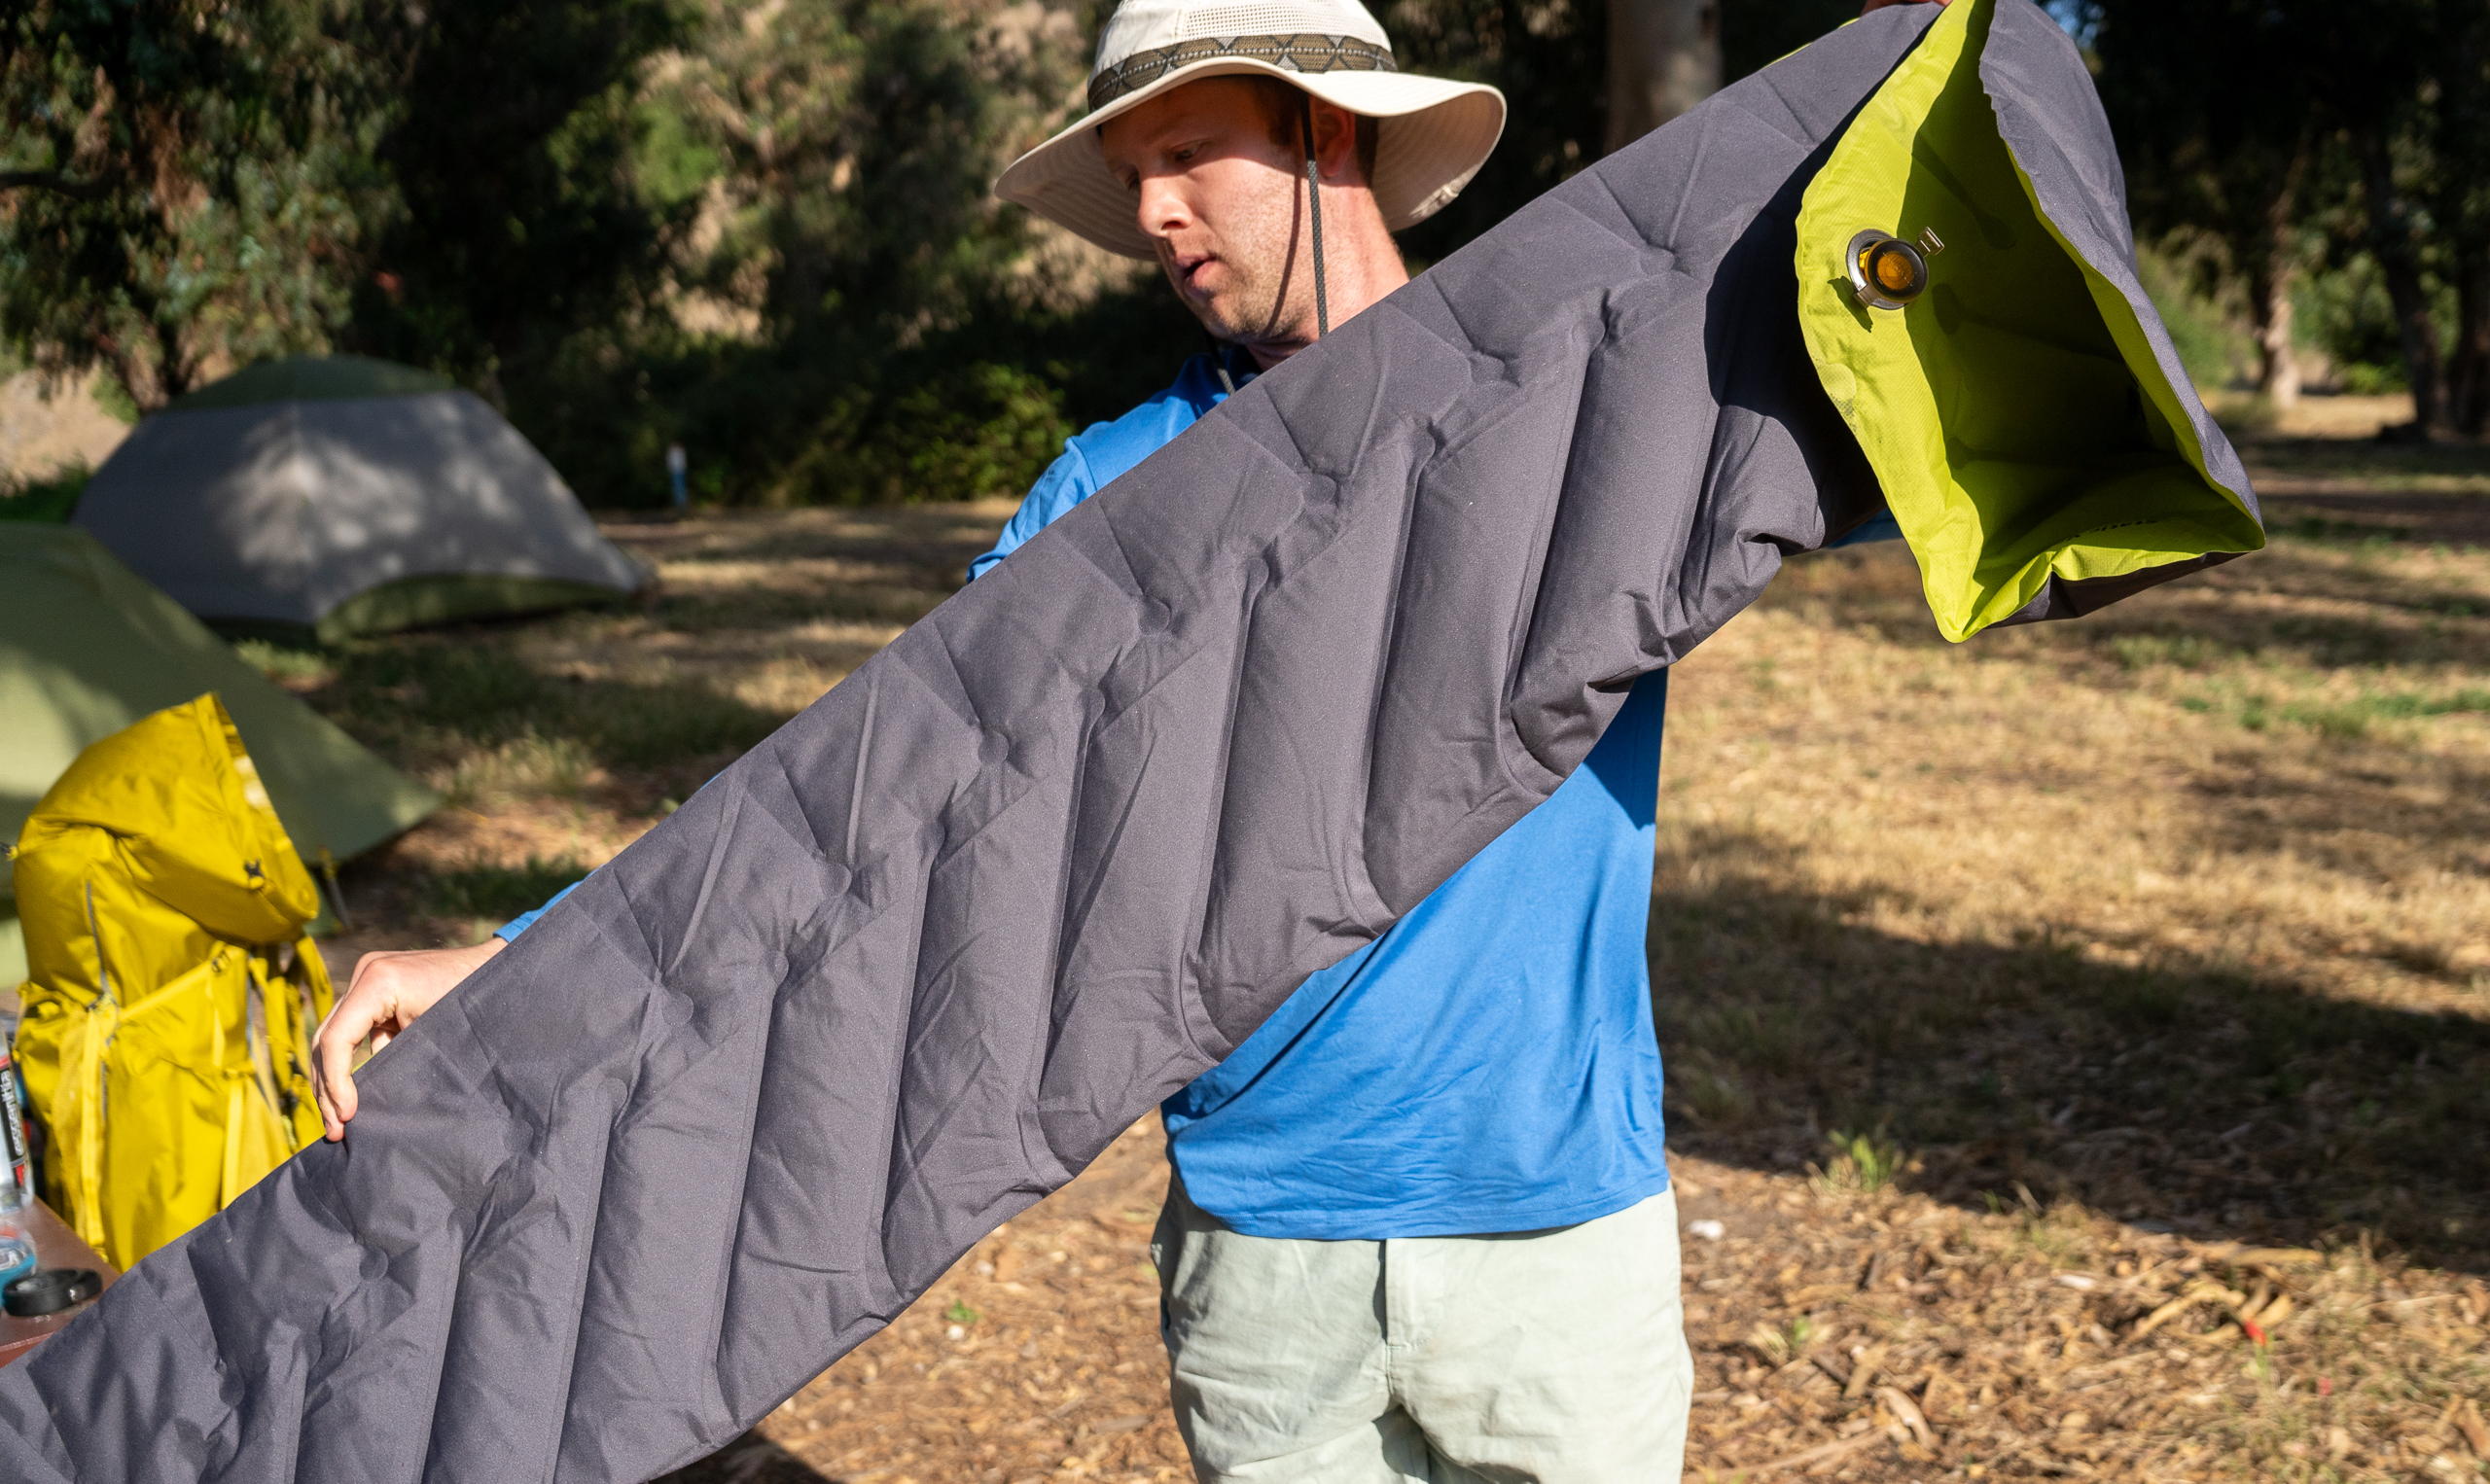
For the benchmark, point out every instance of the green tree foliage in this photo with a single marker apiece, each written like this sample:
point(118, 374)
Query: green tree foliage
point(511, 131)
point(1756, 33)
point(855, 144)
point(1549, 58)
point(853, 147)
point(2351, 136)
point(2221, 146)
point(759, 227)
point(849, 315)
point(182, 182)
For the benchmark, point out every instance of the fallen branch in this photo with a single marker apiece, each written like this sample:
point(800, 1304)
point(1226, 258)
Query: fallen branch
point(1908, 1411)
point(2466, 1414)
point(1823, 1454)
point(54, 182)
point(2199, 1292)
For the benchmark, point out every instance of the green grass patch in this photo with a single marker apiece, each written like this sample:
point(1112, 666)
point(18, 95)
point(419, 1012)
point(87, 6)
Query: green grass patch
point(46, 501)
point(499, 892)
point(1711, 1094)
point(2444, 467)
point(2343, 722)
point(1860, 1163)
point(501, 716)
point(556, 767)
point(2336, 533)
point(2472, 699)
point(285, 664)
point(2186, 652)
point(2346, 720)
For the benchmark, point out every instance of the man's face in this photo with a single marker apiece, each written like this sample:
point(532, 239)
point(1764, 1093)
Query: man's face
point(1221, 202)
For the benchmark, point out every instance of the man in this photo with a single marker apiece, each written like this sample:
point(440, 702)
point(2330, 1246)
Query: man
point(1420, 1225)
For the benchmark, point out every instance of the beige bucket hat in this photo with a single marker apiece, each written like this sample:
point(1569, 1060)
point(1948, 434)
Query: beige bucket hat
point(1434, 133)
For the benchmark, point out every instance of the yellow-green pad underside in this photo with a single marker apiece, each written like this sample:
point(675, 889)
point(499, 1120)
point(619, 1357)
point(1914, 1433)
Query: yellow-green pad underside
point(2014, 414)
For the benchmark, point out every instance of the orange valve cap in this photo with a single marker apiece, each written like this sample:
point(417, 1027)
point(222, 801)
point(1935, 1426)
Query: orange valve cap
point(1887, 272)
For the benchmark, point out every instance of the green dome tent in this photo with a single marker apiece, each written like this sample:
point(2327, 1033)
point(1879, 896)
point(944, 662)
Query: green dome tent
point(86, 648)
point(339, 495)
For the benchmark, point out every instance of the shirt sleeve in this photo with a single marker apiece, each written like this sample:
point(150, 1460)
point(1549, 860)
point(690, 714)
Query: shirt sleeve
point(510, 930)
point(1065, 484)
point(1881, 527)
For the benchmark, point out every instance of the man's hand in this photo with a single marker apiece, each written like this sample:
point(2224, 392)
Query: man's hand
point(388, 991)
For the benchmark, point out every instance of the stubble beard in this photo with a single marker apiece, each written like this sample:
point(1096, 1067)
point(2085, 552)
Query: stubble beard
point(1265, 299)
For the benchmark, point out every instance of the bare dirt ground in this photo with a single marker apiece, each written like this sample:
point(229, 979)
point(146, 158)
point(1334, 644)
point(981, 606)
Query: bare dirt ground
point(2080, 1035)
point(46, 427)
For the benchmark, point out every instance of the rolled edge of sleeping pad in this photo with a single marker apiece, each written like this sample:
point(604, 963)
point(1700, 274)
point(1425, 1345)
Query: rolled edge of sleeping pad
point(2014, 412)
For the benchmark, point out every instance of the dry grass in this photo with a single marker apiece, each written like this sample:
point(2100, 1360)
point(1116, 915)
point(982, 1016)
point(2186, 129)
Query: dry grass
point(2012, 992)
point(1895, 1336)
point(2169, 934)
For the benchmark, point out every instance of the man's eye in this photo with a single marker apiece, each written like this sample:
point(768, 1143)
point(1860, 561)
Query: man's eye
point(1185, 155)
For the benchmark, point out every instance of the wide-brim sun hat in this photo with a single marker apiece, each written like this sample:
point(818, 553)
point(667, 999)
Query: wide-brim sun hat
point(1432, 136)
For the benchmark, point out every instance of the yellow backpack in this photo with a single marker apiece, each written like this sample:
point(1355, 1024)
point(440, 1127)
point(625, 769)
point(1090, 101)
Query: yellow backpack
point(171, 993)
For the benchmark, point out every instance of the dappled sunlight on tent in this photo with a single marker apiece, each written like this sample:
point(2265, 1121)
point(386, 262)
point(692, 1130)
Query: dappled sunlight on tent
point(348, 512)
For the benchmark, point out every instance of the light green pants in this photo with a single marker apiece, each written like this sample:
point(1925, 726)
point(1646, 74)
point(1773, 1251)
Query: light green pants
point(1556, 1356)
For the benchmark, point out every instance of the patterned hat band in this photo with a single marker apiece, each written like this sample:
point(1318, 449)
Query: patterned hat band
point(1304, 53)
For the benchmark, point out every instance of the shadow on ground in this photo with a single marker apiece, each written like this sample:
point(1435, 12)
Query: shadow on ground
point(453, 694)
point(2298, 612)
point(2176, 1094)
point(749, 1459)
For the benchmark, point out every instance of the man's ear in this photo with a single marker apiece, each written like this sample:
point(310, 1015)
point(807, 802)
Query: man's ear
point(1335, 144)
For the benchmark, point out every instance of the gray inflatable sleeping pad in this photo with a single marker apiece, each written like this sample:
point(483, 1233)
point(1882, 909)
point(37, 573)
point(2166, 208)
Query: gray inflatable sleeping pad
point(922, 954)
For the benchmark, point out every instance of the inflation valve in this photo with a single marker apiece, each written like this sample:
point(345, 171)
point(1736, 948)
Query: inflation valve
point(1887, 272)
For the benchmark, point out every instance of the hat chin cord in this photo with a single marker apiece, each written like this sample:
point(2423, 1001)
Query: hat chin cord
point(1314, 213)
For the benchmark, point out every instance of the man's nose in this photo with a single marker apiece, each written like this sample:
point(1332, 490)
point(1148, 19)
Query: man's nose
point(1164, 210)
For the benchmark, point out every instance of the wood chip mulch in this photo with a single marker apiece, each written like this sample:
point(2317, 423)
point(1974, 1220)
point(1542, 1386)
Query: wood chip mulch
point(1866, 1336)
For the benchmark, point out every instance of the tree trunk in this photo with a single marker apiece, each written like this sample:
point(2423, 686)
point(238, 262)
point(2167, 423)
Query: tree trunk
point(1664, 57)
point(2469, 385)
point(150, 363)
point(2394, 239)
point(173, 371)
point(128, 369)
point(2277, 368)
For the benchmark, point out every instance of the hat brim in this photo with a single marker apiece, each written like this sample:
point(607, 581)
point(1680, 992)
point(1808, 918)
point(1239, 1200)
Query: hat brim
point(1435, 134)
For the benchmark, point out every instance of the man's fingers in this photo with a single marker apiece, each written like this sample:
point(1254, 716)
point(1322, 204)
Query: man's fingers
point(332, 1072)
point(388, 992)
point(369, 1001)
point(365, 965)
